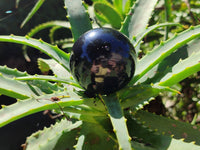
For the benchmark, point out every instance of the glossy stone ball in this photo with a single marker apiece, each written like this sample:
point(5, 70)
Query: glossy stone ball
point(102, 61)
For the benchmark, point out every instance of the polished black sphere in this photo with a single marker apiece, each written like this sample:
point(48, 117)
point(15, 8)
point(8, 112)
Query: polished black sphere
point(102, 61)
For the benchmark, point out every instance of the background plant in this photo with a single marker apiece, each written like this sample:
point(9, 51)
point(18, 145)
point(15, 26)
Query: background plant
point(158, 71)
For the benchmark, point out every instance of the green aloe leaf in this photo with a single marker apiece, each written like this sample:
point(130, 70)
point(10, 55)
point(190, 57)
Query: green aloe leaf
point(118, 4)
point(141, 35)
point(169, 127)
point(139, 95)
point(43, 26)
point(36, 104)
point(52, 51)
point(33, 11)
point(17, 89)
point(78, 18)
point(182, 70)
point(109, 12)
point(94, 136)
point(62, 135)
point(118, 121)
point(168, 15)
point(180, 144)
point(50, 78)
point(49, 24)
point(56, 68)
point(138, 18)
point(165, 49)
point(44, 86)
point(11, 73)
point(167, 65)
point(153, 139)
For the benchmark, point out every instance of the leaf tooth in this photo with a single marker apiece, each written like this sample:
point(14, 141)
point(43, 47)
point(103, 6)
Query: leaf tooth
point(3, 106)
point(68, 17)
point(27, 37)
point(162, 43)
point(193, 142)
point(191, 28)
point(172, 135)
point(12, 35)
point(41, 41)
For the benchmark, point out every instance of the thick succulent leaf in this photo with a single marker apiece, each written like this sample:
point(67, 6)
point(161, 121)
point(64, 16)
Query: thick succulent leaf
point(127, 4)
point(36, 104)
point(45, 25)
point(152, 139)
point(118, 4)
point(180, 144)
point(156, 74)
point(169, 127)
point(62, 135)
point(51, 78)
point(55, 67)
point(109, 12)
point(164, 50)
point(140, 146)
point(182, 70)
point(44, 86)
point(85, 113)
point(144, 135)
point(78, 18)
point(65, 43)
point(11, 73)
point(138, 18)
point(141, 35)
point(17, 89)
point(139, 95)
point(118, 121)
point(94, 137)
point(52, 51)
point(33, 11)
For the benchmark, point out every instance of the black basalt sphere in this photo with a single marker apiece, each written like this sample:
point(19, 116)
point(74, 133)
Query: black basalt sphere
point(102, 61)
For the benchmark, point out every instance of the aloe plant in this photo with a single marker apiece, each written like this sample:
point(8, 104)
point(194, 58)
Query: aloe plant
point(114, 121)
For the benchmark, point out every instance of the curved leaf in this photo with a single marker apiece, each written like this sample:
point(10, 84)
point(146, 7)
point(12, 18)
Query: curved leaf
point(78, 18)
point(141, 35)
point(169, 127)
point(44, 86)
point(118, 121)
point(52, 51)
point(166, 66)
point(165, 49)
point(33, 11)
point(50, 78)
point(182, 70)
point(94, 137)
point(138, 18)
point(139, 95)
point(16, 89)
point(36, 104)
point(45, 25)
point(109, 12)
point(52, 138)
